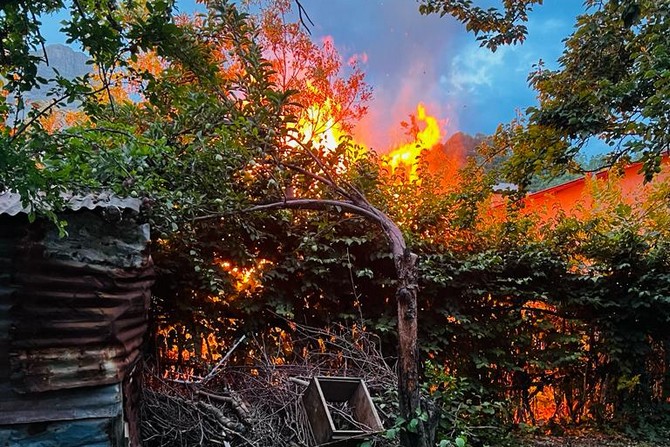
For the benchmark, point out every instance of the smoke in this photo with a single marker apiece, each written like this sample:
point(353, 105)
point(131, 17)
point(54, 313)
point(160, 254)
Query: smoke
point(405, 51)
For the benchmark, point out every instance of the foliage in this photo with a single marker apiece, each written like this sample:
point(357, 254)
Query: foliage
point(556, 322)
point(561, 321)
point(111, 34)
point(495, 26)
point(208, 88)
point(465, 418)
point(611, 87)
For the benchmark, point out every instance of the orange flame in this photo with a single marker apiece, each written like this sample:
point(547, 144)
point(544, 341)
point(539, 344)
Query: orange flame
point(318, 126)
point(318, 129)
point(245, 279)
point(408, 154)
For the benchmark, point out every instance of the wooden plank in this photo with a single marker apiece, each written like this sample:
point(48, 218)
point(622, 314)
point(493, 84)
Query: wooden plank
point(317, 412)
point(364, 410)
point(321, 391)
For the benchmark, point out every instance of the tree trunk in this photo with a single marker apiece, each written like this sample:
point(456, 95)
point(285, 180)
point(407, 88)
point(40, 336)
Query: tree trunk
point(408, 352)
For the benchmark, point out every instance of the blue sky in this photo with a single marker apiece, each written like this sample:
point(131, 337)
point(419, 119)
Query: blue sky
point(412, 58)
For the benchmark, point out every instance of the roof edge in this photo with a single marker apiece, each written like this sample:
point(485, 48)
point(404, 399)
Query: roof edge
point(10, 202)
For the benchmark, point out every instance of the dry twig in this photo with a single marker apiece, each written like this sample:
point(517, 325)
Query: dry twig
point(260, 403)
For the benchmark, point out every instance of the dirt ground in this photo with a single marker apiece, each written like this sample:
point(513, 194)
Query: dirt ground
point(588, 441)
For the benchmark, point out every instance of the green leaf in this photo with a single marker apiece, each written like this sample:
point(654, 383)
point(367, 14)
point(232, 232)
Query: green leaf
point(391, 433)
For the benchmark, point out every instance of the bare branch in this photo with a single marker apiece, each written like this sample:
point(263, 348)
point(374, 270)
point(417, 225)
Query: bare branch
point(302, 13)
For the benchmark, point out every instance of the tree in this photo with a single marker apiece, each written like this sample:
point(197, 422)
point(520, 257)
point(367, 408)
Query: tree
point(309, 174)
point(300, 172)
point(611, 85)
point(112, 34)
point(351, 200)
point(328, 91)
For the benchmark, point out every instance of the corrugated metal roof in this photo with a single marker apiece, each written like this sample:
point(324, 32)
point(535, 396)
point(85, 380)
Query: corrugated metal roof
point(10, 202)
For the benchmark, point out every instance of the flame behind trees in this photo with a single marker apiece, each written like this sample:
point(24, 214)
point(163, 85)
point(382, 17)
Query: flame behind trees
point(407, 155)
point(326, 90)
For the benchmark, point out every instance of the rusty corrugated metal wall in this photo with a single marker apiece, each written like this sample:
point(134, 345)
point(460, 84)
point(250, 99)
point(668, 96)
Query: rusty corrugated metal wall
point(73, 313)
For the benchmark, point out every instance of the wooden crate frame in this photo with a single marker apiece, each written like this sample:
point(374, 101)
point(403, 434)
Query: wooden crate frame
point(322, 390)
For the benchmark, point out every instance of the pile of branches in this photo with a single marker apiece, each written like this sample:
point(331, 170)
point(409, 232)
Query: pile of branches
point(259, 403)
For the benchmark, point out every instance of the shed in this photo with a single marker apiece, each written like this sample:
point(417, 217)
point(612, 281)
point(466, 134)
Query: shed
point(73, 314)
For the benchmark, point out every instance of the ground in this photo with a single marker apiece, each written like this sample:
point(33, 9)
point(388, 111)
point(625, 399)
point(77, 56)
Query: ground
point(588, 441)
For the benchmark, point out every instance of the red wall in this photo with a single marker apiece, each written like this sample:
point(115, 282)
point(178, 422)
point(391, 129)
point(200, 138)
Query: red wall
point(575, 198)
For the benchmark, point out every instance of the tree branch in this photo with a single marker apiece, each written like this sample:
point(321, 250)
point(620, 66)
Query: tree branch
point(316, 177)
point(44, 111)
point(302, 13)
point(331, 181)
point(304, 204)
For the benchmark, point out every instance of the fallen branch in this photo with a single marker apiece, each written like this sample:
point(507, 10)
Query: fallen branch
point(223, 360)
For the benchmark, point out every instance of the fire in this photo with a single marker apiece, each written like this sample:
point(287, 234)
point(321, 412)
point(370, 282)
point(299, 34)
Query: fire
point(245, 279)
point(318, 130)
point(317, 125)
point(408, 154)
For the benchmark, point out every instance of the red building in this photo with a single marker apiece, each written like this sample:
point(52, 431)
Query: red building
point(576, 197)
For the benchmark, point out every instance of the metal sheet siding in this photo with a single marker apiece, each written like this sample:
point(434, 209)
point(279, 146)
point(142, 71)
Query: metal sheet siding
point(12, 229)
point(73, 313)
point(79, 311)
point(63, 405)
point(98, 432)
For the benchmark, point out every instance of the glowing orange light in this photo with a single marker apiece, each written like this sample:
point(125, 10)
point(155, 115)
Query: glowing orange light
point(246, 279)
point(318, 126)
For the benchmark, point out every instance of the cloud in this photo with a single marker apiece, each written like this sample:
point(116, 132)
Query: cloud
point(476, 67)
point(412, 58)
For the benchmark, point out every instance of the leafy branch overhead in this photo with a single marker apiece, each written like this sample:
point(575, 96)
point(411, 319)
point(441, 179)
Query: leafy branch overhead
point(140, 146)
point(112, 34)
point(610, 90)
point(492, 26)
